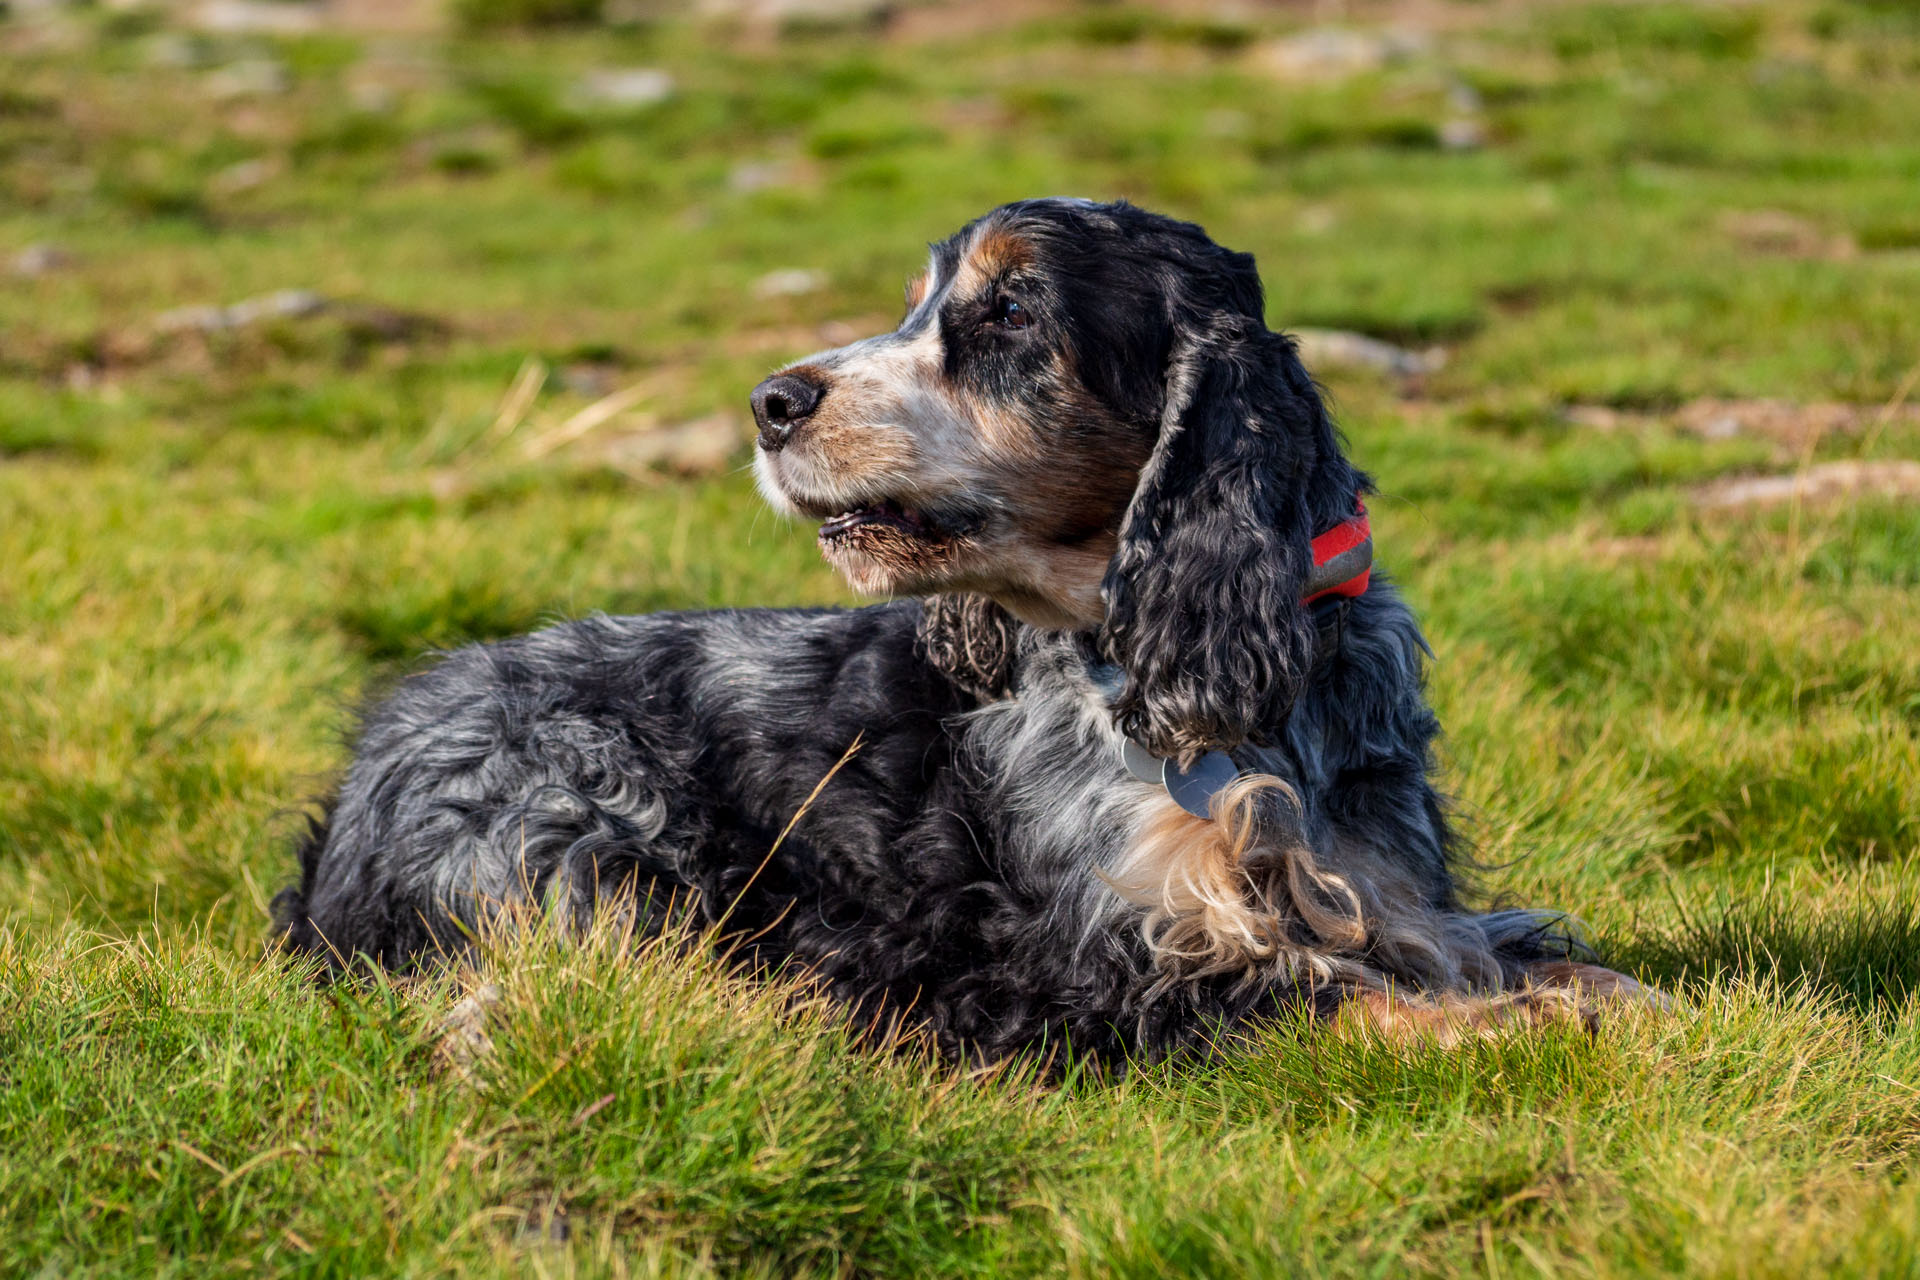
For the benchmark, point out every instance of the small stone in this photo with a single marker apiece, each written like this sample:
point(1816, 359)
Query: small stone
point(449, 484)
point(249, 78)
point(1226, 123)
point(777, 11)
point(179, 51)
point(256, 17)
point(758, 175)
point(1787, 423)
point(463, 1032)
point(1790, 425)
point(387, 17)
point(624, 87)
point(1316, 220)
point(791, 282)
point(373, 97)
point(244, 176)
point(285, 304)
point(1463, 133)
point(40, 259)
point(1342, 347)
point(1722, 426)
point(1595, 417)
point(1823, 484)
point(590, 380)
point(1335, 53)
point(200, 318)
point(628, 13)
point(701, 447)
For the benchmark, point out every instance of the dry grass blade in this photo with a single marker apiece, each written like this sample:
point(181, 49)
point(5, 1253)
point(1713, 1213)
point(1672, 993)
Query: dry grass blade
point(813, 795)
point(1894, 404)
point(597, 414)
point(514, 405)
point(203, 1158)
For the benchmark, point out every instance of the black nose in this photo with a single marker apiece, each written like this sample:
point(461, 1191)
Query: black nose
point(780, 404)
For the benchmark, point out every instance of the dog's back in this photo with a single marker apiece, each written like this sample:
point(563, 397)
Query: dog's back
point(559, 766)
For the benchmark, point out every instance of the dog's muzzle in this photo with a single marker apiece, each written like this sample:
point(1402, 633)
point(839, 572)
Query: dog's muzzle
point(780, 405)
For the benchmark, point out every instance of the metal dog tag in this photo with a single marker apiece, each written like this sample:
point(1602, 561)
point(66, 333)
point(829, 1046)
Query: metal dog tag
point(1140, 762)
point(1194, 789)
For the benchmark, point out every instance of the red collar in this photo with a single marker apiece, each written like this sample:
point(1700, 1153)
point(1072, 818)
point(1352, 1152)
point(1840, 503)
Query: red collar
point(1342, 559)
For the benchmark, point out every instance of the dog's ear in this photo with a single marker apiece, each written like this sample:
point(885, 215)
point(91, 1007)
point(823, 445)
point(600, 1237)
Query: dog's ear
point(1204, 611)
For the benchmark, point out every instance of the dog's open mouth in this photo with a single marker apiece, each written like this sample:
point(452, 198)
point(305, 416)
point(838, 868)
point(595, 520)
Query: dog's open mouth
point(888, 515)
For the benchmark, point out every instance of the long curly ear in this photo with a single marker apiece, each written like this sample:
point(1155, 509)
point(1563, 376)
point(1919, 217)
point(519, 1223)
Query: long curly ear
point(1204, 609)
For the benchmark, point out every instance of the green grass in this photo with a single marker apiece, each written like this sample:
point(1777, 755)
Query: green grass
point(1700, 732)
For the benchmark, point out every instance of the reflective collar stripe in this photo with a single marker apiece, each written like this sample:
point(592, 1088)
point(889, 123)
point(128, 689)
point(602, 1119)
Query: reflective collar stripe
point(1342, 559)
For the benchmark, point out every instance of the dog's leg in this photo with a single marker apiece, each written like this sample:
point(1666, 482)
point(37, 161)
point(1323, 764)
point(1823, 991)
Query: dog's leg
point(1405, 1018)
point(1592, 983)
point(1555, 991)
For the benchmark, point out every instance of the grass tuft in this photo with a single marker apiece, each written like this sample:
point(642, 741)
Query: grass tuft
point(1863, 949)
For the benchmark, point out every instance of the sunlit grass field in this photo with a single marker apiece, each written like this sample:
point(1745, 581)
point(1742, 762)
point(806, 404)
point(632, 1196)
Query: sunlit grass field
point(1695, 723)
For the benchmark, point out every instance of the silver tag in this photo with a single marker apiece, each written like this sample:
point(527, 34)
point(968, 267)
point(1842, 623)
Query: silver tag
point(1194, 789)
point(1140, 762)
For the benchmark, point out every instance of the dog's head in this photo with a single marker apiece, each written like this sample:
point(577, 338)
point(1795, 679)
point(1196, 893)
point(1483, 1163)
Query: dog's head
point(1084, 417)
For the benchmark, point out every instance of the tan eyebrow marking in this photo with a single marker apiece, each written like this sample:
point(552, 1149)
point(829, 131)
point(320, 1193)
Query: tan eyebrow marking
point(993, 252)
point(997, 250)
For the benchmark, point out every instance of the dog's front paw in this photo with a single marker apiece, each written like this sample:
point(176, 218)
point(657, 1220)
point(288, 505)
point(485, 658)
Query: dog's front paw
point(1596, 985)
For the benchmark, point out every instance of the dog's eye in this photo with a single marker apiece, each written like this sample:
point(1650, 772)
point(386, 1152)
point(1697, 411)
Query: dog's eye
point(1009, 314)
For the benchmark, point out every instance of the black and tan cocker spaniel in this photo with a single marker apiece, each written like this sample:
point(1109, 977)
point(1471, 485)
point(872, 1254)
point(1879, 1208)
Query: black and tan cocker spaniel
point(1143, 751)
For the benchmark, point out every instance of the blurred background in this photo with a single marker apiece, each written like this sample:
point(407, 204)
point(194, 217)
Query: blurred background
point(331, 334)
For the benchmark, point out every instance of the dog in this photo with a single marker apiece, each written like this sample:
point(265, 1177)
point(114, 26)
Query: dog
point(1136, 755)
